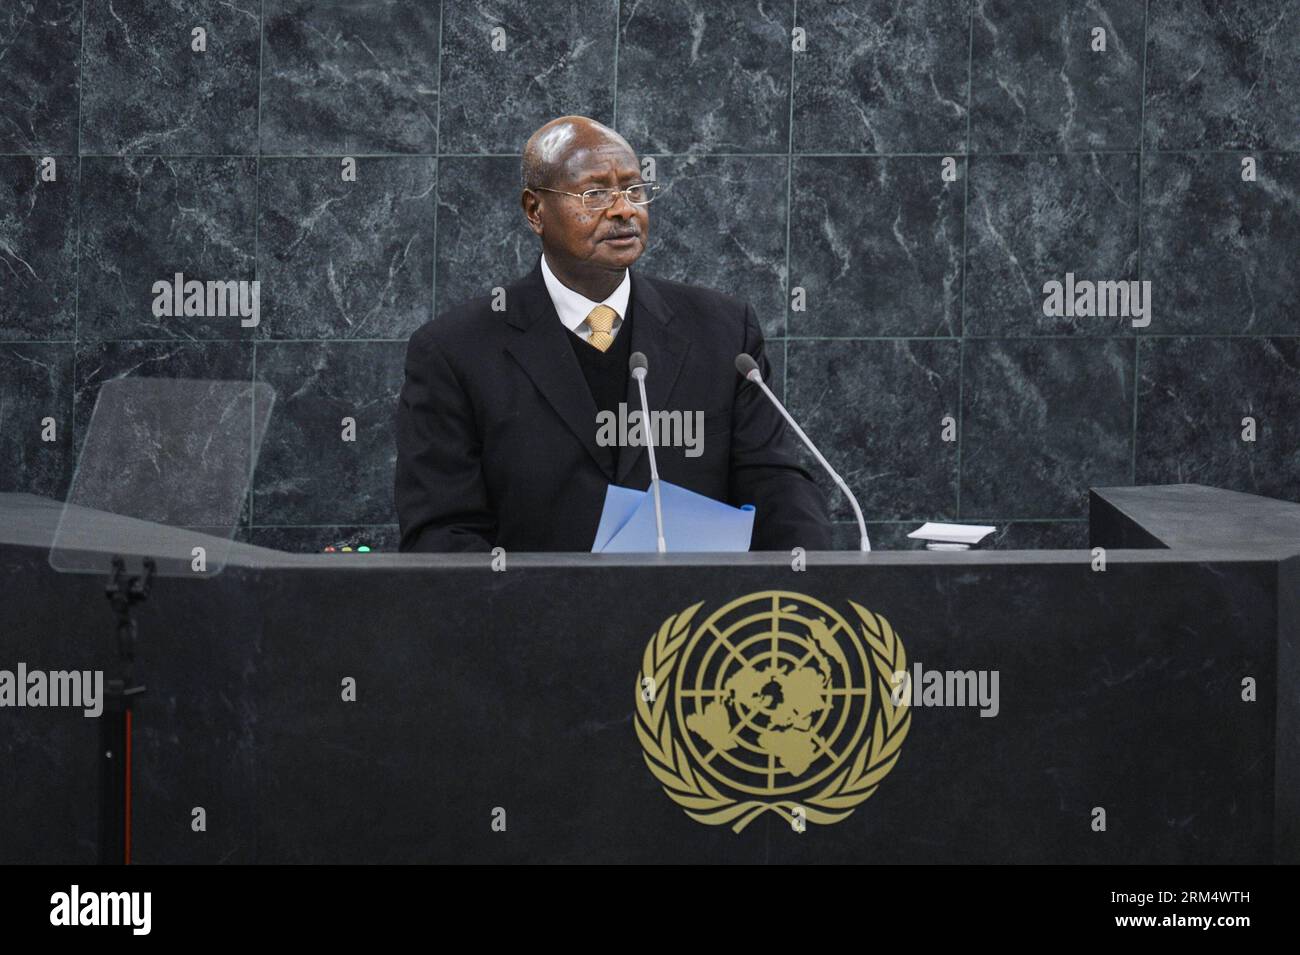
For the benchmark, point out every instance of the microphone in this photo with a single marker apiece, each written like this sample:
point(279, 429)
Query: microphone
point(637, 365)
point(749, 370)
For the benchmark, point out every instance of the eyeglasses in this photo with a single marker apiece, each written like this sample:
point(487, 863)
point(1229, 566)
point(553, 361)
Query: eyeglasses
point(641, 194)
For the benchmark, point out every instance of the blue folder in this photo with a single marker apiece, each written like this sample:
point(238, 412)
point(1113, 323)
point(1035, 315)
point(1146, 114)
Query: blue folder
point(692, 522)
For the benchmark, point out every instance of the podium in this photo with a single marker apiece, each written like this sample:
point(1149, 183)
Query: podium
point(429, 708)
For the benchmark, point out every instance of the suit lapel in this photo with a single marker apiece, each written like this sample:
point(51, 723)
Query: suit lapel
point(665, 352)
point(546, 356)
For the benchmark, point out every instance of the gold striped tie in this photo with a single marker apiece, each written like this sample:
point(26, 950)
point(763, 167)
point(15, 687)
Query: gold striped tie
point(601, 322)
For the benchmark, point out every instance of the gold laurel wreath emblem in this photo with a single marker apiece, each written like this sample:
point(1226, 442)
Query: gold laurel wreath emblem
point(667, 759)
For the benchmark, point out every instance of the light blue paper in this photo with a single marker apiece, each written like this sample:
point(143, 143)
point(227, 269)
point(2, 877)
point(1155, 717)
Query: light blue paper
point(692, 522)
point(620, 505)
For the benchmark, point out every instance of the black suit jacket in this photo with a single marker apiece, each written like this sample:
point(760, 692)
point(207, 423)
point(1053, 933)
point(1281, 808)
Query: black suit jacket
point(496, 426)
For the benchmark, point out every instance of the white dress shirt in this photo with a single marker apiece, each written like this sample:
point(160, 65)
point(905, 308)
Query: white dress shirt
point(574, 307)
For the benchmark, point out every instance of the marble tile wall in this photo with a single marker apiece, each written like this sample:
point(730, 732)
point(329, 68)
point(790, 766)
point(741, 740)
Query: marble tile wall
point(819, 169)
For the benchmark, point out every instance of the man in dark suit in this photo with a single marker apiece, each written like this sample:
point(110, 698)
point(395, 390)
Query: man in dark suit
point(497, 425)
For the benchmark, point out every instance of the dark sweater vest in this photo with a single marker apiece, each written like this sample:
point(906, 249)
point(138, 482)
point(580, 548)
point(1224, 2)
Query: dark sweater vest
point(607, 375)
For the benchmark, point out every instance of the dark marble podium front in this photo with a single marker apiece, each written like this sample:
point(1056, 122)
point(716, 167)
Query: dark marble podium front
point(476, 689)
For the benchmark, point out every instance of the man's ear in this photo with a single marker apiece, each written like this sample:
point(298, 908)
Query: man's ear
point(532, 206)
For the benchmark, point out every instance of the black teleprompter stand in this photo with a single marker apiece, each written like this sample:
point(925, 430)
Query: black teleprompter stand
point(123, 593)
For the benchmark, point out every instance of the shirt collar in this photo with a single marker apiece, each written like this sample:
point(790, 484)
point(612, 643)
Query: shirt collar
point(574, 307)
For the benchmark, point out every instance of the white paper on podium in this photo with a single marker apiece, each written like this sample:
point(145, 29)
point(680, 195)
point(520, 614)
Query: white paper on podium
point(692, 522)
point(953, 533)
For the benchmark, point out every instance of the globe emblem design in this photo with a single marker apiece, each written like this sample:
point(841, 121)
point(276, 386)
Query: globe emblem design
point(773, 693)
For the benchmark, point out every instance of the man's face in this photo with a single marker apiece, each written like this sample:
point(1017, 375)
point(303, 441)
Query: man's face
point(611, 238)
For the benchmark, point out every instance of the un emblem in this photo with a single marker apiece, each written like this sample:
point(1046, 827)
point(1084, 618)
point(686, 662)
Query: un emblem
point(774, 702)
